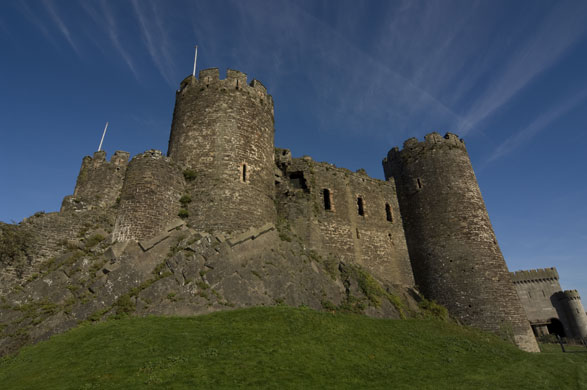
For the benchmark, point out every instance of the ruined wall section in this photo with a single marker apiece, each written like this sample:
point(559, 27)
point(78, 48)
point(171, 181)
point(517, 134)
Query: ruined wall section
point(150, 197)
point(320, 202)
point(222, 131)
point(99, 182)
point(454, 253)
point(575, 313)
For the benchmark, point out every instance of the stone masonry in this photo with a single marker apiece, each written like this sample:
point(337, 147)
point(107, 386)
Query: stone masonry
point(453, 249)
point(150, 197)
point(321, 203)
point(425, 226)
point(222, 133)
point(549, 308)
point(99, 182)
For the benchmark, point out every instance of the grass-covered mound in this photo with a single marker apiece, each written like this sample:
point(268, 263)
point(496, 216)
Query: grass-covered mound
point(283, 347)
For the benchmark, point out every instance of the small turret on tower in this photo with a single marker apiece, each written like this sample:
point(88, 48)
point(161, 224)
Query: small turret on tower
point(452, 246)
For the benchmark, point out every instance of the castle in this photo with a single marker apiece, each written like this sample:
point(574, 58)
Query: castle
point(426, 225)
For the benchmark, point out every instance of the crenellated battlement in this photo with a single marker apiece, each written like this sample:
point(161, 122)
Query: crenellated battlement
point(98, 183)
point(534, 275)
point(119, 157)
point(572, 295)
point(431, 141)
point(234, 81)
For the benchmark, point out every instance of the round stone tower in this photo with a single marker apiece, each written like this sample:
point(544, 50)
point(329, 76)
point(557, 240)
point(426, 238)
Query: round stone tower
point(575, 313)
point(453, 249)
point(150, 197)
point(222, 136)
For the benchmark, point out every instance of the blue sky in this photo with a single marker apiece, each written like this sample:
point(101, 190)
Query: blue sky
point(350, 80)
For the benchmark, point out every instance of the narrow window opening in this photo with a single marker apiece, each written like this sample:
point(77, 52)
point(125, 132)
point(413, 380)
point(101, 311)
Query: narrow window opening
point(327, 199)
point(244, 173)
point(419, 182)
point(388, 212)
point(543, 294)
point(361, 207)
point(357, 232)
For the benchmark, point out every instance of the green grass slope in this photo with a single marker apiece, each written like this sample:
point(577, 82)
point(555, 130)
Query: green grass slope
point(285, 348)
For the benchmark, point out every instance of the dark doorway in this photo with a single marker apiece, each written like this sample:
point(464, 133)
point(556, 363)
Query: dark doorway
point(556, 327)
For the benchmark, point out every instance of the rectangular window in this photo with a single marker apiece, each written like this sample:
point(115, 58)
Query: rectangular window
point(388, 212)
point(327, 199)
point(361, 206)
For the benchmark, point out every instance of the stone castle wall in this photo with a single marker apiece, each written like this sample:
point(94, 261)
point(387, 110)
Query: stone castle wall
point(150, 197)
point(427, 220)
point(222, 131)
point(321, 204)
point(99, 182)
point(537, 290)
point(453, 249)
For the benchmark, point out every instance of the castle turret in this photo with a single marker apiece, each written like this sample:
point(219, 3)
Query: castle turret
point(150, 197)
point(452, 246)
point(222, 136)
point(575, 313)
point(99, 182)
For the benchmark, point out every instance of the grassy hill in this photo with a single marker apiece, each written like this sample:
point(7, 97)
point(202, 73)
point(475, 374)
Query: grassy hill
point(282, 347)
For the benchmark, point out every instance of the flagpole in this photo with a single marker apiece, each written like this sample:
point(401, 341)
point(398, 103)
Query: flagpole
point(103, 134)
point(195, 59)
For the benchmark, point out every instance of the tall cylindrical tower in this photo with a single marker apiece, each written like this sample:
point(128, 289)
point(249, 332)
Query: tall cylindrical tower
point(150, 197)
point(222, 136)
point(575, 313)
point(452, 246)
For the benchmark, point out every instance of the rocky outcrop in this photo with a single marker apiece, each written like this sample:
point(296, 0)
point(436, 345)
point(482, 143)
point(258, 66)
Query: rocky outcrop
point(183, 272)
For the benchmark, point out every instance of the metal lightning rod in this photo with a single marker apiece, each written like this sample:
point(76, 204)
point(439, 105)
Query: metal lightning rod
point(195, 59)
point(103, 134)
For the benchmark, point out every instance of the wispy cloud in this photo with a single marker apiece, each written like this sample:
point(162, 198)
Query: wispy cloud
point(37, 22)
point(107, 22)
point(54, 14)
point(155, 38)
point(562, 28)
point(537, 125)
point(355, 88)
